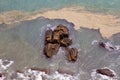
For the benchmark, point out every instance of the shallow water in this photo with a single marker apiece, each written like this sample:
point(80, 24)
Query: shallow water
point(23, 43)
point(110, 6)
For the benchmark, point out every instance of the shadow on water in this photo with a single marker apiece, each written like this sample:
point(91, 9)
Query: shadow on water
point(24, 45)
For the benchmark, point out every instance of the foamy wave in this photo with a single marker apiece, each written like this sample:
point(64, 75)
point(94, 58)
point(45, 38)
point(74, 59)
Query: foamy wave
point(5, 64)
point(39, 75)
point(108, 46)
point(30, 74)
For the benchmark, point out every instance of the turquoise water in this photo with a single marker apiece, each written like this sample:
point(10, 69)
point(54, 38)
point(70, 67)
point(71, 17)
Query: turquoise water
point(30, 5)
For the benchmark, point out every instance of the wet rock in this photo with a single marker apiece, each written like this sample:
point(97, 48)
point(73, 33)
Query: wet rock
point(56, 37)
point(65, 42)
point(106, 72)
point(55, 47)
point(48, 36)
point(63, 31)
point(102, 44)
point(59, 38)
point(1, 74)
point(51, 49)
point(72, 54)
point(108, 46)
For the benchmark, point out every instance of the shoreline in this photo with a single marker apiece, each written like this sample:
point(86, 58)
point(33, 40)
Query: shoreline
point(108, 24)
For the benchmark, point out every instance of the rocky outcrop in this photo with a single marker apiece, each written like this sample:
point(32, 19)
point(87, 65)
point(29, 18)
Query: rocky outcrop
point(72, 54)
point(59, 37)
point(65, 42)
point(48, 36)
point(51, 49)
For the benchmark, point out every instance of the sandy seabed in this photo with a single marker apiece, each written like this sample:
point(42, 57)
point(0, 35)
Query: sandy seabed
point(108, 24)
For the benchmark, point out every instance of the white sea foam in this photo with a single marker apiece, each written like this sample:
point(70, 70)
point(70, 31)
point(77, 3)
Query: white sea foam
point(94, 42)
point(30, 74)
point(39, 75)
point(5, 64)
point(109, 45)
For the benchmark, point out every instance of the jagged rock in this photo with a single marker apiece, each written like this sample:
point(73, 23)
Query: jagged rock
point(56, 36)
point(48, 36)
point(60, 32)
point(106, 72)
point(65, 42)
point(55, 39)
point(51, 49)
point(72, 54)
point(63, 31)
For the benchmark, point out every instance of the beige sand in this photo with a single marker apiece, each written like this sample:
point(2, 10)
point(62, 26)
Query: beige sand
point(108, 24)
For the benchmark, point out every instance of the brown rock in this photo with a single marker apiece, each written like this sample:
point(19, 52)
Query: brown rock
point(48, 36)
point(102, 44)
point(59, 33)
point(55, 39)
point(72, 54)
point(55, 48)
point(65, 42)
point(106, 72)
point(56, 36)
point(63, 31)
point(51, 49)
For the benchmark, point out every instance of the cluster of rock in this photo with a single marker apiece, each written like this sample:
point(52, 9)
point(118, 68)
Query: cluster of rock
point(108, 46)
point(59, 37)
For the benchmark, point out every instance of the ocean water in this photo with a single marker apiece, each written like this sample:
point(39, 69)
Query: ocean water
point(30, 5)
point(21, 44)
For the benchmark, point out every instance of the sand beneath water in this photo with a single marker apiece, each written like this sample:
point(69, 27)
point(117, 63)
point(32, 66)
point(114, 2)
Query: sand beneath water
point(108, 24)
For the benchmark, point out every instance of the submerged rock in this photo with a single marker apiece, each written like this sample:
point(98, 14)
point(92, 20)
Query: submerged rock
point(106, 72)
point(108, 46)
